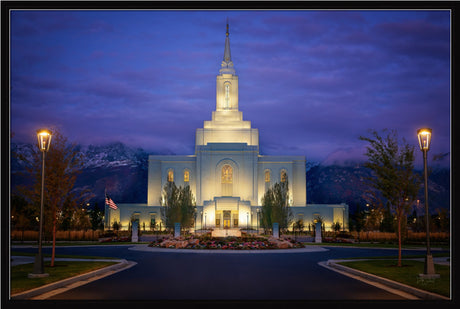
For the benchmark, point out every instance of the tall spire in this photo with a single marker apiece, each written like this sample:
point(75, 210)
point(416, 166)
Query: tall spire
point(227, 64)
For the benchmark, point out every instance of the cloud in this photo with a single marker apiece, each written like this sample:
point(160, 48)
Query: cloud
point(312, 82)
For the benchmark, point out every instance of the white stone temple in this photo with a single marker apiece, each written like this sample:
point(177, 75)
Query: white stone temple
point(227, 174)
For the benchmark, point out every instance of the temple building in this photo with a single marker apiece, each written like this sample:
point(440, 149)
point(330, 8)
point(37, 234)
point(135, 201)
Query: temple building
point(227, 175)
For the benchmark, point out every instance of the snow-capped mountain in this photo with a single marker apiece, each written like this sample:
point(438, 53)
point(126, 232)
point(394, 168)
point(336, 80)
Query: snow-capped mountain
point(121, 171)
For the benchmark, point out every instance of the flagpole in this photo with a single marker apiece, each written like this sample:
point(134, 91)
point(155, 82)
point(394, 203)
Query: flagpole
point(107, 209)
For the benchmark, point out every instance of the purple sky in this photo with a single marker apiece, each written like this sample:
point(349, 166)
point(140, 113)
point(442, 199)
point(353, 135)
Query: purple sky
point(312, 82)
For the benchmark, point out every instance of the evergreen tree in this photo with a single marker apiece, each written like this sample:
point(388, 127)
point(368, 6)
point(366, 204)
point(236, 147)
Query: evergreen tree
point(22, 213)
point(275, 206)
point(179, 206)
point(96, 217)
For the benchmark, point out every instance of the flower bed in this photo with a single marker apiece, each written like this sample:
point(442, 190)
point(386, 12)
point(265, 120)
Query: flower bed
point(226, 243)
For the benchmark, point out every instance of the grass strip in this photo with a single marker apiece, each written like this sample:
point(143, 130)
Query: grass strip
point(405, 256)
point(81, 243)
point(18, 253)
point(62, 270)
point(377, 245)
point(407, 274)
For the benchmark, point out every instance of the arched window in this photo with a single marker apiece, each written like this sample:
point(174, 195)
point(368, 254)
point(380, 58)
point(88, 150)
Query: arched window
point(170, 175)
point(267, 176)
point(186, 176)
point(283, 176)
point(227, 180)
point(227, 174)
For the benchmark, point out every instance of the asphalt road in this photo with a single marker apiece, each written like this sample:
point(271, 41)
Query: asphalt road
point(214, 276)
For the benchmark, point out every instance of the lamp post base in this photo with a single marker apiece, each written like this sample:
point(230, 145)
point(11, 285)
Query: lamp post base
point(38, 272)
point(429, 269)
point(32, 275)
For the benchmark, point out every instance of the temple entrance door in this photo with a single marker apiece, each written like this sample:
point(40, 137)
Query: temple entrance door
point(227, 218)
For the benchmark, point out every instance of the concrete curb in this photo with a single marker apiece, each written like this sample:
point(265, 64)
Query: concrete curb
point(387, 282)
point(122, 265)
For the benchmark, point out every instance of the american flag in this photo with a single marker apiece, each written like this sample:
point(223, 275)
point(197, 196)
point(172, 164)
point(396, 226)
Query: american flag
point(108, 201)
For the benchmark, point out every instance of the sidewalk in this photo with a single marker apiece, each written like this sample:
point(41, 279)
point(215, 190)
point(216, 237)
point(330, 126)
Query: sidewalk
point(401, 289)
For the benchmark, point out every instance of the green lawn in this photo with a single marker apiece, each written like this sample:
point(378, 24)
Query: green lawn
point(80, 243)
point(62, 270)
point(18, 253)
point(407, 274)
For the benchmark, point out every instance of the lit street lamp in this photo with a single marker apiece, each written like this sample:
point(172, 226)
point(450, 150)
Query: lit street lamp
point(44, 141)
point(424, 140)
point(247, 221)
point(258, 221)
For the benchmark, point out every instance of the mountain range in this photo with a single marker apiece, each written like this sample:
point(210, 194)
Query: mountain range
point(121, 171)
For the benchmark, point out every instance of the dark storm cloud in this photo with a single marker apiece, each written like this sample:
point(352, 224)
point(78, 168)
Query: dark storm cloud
point(312, 82)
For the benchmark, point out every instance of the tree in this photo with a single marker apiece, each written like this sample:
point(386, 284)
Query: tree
point(179, 206)
point(96, 216)
point(336, 227)
point(392, 164)
point(358, 219)
point(317, 219)
point(298, 225)
point(275, 206)
point(21, 213)
point(62, 165)
point(387, 224)
point(81, 220)
point(65, 216)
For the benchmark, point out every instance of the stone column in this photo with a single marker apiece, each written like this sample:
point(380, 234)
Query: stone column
point(318, 237)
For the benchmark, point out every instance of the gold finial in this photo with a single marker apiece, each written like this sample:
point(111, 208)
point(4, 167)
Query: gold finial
point(227, 28)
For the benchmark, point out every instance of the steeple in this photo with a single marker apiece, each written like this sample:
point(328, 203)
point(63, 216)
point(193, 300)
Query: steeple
point(227, 64)
point(227, 124)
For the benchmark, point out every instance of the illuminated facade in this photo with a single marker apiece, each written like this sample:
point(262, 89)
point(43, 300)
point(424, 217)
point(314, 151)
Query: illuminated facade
point(227, 175)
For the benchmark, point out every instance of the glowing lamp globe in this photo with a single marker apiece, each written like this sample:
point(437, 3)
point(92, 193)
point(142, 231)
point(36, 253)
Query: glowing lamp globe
point(424, 138)
point(44, 140)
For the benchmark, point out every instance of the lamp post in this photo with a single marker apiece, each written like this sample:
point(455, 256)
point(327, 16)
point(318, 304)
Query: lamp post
point(424, 140)
point(247, 221)
point(44, 141)
point(205, 220)
point(258, 221)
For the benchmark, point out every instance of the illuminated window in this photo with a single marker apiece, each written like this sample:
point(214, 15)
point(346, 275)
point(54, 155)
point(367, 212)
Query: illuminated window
point(227, 180)
point(152, 221)
point(227, 174)
point(186, 176)
point(267, 176)
point(283, 176)
point(235, 220)
point(170, 176)
point(227, 96)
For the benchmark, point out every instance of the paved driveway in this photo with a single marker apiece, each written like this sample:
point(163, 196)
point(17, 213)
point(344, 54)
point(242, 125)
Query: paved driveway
point(174, 275)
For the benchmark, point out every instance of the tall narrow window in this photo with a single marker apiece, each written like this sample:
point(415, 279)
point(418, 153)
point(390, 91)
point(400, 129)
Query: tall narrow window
point(227, 180)
point(267, 176)
point(170, 176)
point(186, 176)
point(227, 96)
point(283, 176)
point(267, 180)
